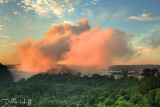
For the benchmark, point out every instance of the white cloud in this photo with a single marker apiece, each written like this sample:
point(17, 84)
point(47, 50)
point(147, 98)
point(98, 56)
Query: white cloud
point(10, 44)
point(77, 2)
point(1, 27)
point(94, 2)
point(89, 13)
point(6, 18)
point(154, 28)
point(69, 22)
point(62, 22)
point(3, 1)
point(82, 13)
point(4, 41)
point(71, 10)
point(43, 7)
point(146, 17)
point(5, 37)
point(16, 13)
point(103, 16)
point(120, 12)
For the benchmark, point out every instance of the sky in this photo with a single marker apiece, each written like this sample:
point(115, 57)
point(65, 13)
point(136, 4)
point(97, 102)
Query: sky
point(139, 20)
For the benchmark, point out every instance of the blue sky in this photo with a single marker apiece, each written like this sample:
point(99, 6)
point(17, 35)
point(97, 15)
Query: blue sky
point(22, 19)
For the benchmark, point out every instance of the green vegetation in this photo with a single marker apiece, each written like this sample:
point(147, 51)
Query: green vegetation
point(68, 90)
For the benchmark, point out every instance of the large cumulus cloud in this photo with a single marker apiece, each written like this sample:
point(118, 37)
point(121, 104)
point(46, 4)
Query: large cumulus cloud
point(70, 45)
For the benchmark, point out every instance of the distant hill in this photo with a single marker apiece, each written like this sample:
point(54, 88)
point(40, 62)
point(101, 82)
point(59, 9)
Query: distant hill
point(136, 68)
point(5, 75)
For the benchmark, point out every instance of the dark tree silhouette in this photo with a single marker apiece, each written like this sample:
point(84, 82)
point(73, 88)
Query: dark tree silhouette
point(5, 75)
point(150, 72)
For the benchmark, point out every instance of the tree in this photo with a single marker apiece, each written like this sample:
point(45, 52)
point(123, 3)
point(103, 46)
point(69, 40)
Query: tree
point(157, 97)
point(149, 72)
point(5, 75)
point(136, 98)
point(109, 101)
point(151, 97)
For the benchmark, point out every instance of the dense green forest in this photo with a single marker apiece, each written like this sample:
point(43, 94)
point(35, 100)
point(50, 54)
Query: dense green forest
point(68, 90)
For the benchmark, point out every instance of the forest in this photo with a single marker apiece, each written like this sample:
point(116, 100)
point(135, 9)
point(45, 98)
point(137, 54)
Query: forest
point(70, 90)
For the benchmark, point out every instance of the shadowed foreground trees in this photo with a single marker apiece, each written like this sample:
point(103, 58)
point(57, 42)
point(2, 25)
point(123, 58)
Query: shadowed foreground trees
point(5, 75)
